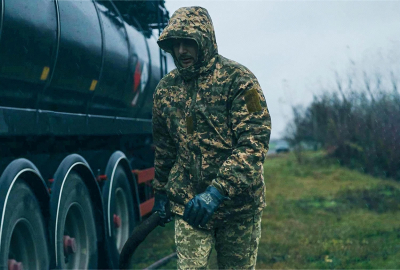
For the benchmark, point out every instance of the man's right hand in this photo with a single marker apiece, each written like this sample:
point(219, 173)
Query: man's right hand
point(161, 205)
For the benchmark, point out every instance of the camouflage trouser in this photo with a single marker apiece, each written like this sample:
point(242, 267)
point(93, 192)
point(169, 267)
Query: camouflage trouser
point(236, 244)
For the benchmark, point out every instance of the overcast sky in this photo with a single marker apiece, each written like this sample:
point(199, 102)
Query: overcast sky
point(295, 47)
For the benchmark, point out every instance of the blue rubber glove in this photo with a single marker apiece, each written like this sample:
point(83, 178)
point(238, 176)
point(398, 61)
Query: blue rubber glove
point(161, 205)
point(199, 210)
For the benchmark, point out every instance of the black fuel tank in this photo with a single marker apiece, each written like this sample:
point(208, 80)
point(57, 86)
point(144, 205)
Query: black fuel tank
point(74, 56)
point(28, 45)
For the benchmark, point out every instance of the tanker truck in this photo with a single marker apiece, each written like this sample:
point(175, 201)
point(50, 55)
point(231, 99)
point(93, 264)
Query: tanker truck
point(76, 156)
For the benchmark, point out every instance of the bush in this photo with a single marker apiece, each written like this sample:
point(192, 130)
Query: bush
point(360, 128)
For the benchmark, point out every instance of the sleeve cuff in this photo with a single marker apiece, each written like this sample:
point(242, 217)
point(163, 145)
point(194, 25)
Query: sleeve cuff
point(158, 187)
point(219, 187)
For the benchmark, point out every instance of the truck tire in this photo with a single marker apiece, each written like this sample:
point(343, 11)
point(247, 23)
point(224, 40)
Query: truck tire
point(24, 241)
point(75, 230)
point(120, 213)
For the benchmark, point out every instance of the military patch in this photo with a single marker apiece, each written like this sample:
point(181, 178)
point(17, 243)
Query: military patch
point(252, 101)
point(189, 125)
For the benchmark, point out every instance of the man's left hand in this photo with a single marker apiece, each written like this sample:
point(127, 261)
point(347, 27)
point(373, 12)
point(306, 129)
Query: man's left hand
point(161, 205)
point(199, 210)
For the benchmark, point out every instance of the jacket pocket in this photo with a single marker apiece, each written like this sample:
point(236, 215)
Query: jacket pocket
point(179, 187)
point(175, 120)
point(216, 115)
point(213, 120)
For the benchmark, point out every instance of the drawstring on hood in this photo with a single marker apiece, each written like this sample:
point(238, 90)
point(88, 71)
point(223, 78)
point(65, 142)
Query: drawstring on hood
point(192, 23)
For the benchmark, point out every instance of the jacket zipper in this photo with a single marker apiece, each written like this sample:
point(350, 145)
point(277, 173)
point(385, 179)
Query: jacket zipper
point(195, 163)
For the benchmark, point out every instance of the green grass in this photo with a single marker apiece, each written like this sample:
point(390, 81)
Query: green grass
point(319, 216)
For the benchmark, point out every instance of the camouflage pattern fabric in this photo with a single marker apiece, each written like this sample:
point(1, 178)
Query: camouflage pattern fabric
point(211, 125)
point(236, 244)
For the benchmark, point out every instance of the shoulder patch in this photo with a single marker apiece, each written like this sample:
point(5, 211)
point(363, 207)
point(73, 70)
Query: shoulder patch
point(252, 101)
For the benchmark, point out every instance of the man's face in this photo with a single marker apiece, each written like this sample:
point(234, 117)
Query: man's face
point(185, 51)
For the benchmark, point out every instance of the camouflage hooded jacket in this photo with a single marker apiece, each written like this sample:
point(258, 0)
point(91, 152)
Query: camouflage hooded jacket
point(211, 124)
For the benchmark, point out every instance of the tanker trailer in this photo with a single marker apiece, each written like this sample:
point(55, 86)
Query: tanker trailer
point(76, 86)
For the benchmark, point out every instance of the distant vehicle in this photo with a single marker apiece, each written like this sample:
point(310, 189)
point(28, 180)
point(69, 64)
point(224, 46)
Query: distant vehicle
point(282, 147)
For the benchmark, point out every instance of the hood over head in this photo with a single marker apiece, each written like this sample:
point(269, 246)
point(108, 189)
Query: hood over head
point(193, 23)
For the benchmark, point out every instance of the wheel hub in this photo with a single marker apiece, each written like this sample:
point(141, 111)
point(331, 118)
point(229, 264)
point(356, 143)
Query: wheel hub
point(14, 265)
point(117, 221)
point(69, 245)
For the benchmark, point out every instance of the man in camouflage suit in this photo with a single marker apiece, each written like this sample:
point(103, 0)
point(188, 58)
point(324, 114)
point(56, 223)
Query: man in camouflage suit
point(211, 128)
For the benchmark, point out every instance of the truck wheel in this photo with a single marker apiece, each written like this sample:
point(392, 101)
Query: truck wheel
point(75, 230)
point(120, 211)
point(23, 235)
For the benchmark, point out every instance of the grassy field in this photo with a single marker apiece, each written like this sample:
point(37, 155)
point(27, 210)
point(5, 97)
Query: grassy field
point(319, 216)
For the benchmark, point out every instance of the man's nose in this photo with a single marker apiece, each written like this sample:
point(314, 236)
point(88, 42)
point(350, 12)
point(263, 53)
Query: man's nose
point(182, 48)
